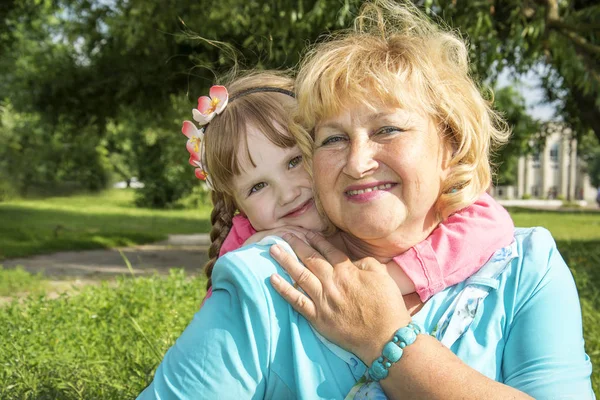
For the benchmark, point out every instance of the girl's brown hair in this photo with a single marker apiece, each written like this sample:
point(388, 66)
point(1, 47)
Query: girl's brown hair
point(226, 135)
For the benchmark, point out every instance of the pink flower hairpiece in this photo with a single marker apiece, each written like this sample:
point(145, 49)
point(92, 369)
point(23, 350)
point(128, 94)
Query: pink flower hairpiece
point(208, 107)
point(211, 105)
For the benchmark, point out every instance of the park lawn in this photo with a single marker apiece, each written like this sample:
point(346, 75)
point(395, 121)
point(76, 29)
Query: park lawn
point(17, 280)
point(106, 341)
point(83, 222)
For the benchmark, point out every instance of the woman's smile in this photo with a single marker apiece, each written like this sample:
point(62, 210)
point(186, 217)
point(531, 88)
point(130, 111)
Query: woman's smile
point(368, 192)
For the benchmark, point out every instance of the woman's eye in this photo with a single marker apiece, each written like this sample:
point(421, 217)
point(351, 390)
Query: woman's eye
point(295, 162)
point(331, 140)
point(387, 130)
point(257, 187)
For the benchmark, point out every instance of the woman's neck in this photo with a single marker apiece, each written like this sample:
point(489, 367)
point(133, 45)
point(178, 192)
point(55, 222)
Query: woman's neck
point(383, 250)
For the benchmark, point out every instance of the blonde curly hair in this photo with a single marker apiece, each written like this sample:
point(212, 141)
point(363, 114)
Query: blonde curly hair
point(396, 55)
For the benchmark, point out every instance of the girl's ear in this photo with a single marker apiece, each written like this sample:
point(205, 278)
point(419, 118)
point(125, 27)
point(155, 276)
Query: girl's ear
point(238, 211)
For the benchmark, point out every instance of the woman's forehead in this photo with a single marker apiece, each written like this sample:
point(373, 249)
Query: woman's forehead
point(364, 114)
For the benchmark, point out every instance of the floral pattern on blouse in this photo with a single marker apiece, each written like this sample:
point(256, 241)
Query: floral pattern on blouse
point(455, 321)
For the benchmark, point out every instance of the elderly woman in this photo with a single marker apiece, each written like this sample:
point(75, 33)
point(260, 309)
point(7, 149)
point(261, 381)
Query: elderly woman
point(398, 139)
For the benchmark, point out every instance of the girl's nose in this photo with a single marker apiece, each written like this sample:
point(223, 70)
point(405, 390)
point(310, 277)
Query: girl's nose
point(288, 193)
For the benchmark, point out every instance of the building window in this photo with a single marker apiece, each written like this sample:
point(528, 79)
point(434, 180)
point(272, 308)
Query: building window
point(554, 153)
point(500, 191)
point(535, 191)
point(535, 160)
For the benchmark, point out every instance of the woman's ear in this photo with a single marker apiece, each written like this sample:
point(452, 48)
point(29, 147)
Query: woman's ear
point(448, 149)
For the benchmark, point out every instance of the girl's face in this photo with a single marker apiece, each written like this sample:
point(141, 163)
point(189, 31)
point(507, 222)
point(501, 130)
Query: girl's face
point(378, 173)
point(278, 191)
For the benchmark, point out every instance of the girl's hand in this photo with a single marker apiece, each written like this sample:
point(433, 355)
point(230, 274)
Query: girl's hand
point(356, 305)
point(294, 230)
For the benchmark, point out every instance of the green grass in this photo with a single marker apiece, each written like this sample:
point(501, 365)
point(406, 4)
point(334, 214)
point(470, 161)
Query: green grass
point(18, 280)
point(83, 222)
point(105, 342)
point(565, 226)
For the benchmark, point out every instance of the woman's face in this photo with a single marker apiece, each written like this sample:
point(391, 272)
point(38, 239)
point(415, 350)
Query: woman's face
point(378, 173)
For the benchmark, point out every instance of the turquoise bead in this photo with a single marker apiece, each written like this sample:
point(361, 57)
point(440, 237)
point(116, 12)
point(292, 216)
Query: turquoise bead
point(416, 327)
point(407, 335)
point(378, 371)
point(392, 352)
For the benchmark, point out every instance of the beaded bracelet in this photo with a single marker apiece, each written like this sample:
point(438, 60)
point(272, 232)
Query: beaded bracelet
point(392, 351)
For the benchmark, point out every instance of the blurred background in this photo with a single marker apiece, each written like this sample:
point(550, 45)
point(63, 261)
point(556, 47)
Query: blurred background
point(92, 96)
point(93, 92)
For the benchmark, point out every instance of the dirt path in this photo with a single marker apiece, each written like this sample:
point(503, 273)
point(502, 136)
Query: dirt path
point(80, 268)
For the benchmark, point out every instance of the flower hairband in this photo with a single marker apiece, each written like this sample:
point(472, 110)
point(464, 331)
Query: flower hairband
point(208, 107)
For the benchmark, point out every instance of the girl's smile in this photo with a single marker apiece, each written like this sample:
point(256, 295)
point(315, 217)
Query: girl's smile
point(274, 190)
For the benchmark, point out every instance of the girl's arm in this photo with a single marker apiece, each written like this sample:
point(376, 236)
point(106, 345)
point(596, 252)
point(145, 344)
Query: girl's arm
point(458, 247)
point(224, 350)
point(240, 231)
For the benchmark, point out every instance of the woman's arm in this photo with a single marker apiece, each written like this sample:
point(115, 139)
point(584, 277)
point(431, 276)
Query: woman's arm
point(544, 353)
point(359, 307)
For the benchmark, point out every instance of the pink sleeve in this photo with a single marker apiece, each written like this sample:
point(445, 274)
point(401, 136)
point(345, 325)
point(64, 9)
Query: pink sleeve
point(458, 247)
point(239, 233)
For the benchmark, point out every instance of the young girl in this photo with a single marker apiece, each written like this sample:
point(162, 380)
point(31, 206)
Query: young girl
point(259, 187)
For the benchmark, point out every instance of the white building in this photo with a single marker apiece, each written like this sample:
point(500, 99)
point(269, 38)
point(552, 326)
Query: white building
point(554, 173)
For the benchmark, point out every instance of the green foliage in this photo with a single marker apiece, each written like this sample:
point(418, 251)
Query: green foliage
point(589, 150)
point(13, 281)
point(96, 90)
point(89, 222)
point(35, 162)
point(594, 170)
point(102, 343)
point(524, 128)
point(559, 39)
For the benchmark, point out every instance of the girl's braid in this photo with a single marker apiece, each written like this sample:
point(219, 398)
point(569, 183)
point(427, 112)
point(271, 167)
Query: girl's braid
point(221, 219)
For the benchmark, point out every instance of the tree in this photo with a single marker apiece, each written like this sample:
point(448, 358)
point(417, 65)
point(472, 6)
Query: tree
point(589, 152)
point(511, 105)
point(559, 38)
point(114, 78)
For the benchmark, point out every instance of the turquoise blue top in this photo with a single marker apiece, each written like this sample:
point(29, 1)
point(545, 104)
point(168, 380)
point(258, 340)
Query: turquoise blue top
point(517, 321)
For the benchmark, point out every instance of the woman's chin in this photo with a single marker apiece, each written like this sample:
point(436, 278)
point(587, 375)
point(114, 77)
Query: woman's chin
point(371, 232)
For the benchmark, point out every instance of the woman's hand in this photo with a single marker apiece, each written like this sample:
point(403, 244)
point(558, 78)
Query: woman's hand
point(356, 305)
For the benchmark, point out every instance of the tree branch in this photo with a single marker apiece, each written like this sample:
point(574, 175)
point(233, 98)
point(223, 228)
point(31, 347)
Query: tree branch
point(553, 21)
point(581, 42)
point(556, 24)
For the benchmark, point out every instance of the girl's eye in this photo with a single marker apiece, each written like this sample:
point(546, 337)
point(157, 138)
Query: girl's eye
point(331, 140)
point(295, 162)
point(387, 130)
point(257, 188)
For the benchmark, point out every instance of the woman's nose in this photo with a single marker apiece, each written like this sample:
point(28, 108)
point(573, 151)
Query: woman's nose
point(359, 160)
